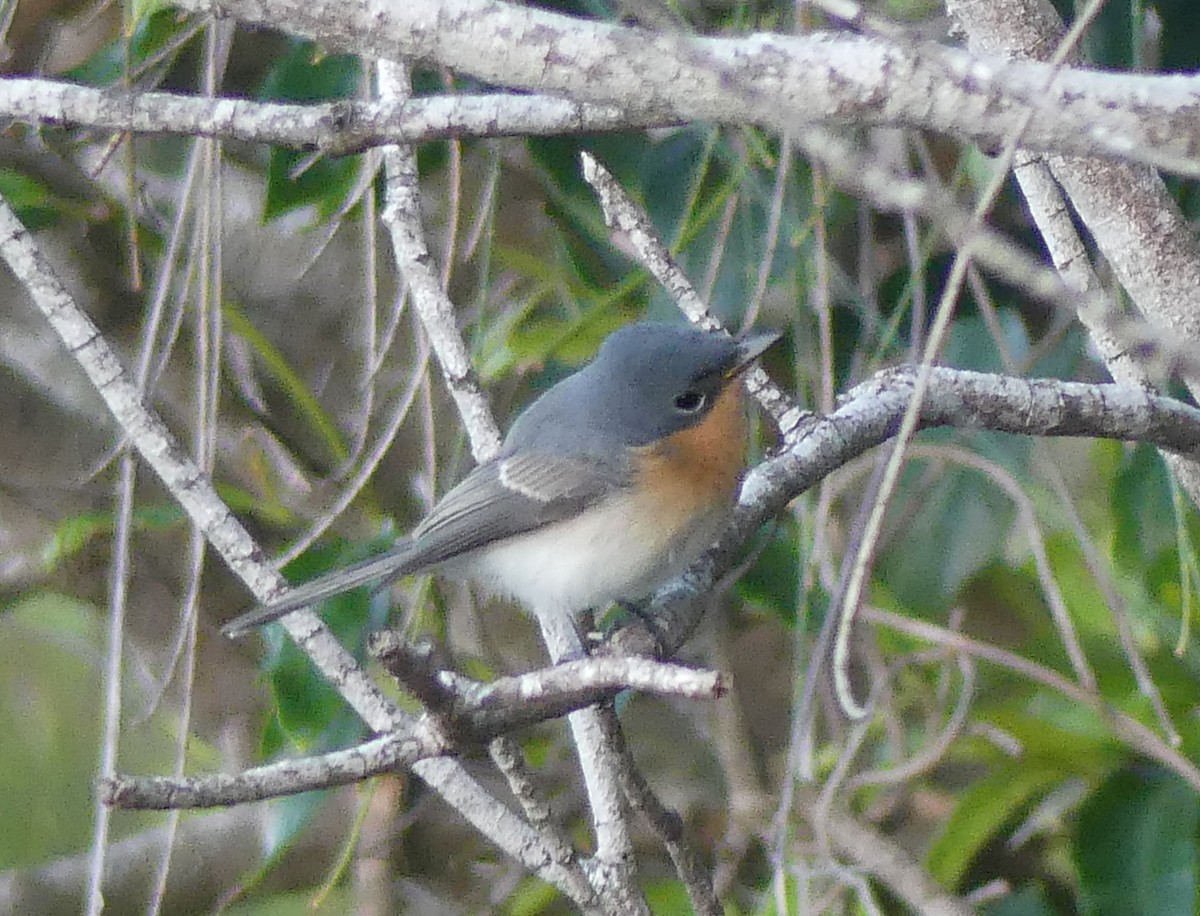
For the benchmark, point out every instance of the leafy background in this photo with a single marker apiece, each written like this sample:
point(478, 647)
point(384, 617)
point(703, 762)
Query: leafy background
point(1038, 804)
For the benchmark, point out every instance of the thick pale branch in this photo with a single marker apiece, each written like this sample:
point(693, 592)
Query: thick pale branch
point(777, 81)
point(476, 712)
point(288, 777)
point(334, 127)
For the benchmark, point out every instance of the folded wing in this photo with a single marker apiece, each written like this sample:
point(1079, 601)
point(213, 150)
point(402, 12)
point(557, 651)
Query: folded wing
point(504, 498)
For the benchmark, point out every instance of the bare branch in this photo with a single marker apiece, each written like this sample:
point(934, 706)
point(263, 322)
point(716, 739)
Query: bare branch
point(777, 81)
point(287, 777)
point(336, 128)
point(478, 712)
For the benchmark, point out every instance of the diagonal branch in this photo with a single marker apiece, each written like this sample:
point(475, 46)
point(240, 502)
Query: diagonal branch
point(196, 494)
point(870, 414)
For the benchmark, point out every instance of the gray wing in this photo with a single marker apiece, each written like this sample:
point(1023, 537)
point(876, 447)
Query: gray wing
point(497, 500)
point(511, 496)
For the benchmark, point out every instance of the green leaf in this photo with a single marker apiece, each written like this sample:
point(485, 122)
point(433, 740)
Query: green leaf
point(965, 523)
point(308, 708)
point(1180, 35)
point(532, 896)
point(282, 373)
point(1135, 846)
point(151, 35)
point(51, 698)
point(296, 178)
point(773, 581)
point(76, 532)
point(137, 11)
point(1058, 734)
point(1109, 42)
point(668, 897)
point(1141, 502)
point(571, 204)
point(670, 173)
point(337, 902)
point(307, 74)
point(1028, 901)
point(982, 813)
point(528, 340)
point(35, 203)
point(286, 820)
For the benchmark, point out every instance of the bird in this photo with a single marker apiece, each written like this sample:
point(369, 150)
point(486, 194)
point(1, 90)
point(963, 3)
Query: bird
point(607, 486)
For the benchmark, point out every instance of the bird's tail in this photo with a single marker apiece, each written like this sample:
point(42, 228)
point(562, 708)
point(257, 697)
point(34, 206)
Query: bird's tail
point(383, 568)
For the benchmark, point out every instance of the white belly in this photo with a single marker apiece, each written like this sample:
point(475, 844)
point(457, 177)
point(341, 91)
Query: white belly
point(601, 556)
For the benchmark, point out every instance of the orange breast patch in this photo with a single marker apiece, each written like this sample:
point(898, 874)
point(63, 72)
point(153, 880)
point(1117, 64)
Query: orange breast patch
point(698, 468)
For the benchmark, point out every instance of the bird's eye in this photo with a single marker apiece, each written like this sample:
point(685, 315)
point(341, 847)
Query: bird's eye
point(690, 401)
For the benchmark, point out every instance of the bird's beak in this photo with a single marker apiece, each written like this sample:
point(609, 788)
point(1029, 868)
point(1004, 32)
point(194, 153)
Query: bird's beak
point(750, 348)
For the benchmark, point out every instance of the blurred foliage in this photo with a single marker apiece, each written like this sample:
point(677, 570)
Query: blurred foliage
point(51, 649)
point(1040, 791)
point(295, 178)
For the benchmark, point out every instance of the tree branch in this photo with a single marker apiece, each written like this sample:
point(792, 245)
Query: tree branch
point(285, 777)
point(336, 128)
point(776, 81)
point(1136, 223)
point(475, 713)
point(195, 493)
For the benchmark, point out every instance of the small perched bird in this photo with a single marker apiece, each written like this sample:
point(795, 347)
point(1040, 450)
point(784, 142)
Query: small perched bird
point(606, 487)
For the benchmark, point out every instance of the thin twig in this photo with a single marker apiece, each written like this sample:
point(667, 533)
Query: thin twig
point(869, 415)
point(666, 823)
point(1128, 729)
point(402, 216)
point(623, 214)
